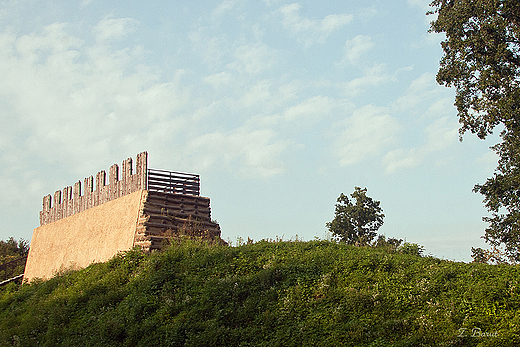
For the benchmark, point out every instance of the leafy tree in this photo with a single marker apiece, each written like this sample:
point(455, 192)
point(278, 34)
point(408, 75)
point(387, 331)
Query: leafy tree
point(11, 257)
point(482, 61)
point(356, 222)
point(12, 249)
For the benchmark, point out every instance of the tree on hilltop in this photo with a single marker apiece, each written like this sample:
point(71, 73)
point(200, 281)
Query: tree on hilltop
point(356, 221)
point(482, 61)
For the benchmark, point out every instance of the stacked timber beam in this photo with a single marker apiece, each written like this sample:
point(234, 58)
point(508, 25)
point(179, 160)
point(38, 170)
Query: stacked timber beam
point(166, 215)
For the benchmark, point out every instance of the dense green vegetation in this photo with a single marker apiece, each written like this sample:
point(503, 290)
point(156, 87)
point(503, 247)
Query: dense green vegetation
point(316, 293)
point(11, 252)
point(482, 62)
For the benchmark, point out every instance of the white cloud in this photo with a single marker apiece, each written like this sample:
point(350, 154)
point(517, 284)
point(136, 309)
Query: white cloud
point(219, 80)
point(421, 89)
point(87, 101)
point(373, 76)
point(356, 47)
point(488, 160)
point(271, 2)
point(309, 31)
point(223, 7)
point(310, 110)
point(73, 102)
point(291, 89)
point(367, 132)
point(422, 4)
point(332, 22)
point(253, 58)
point(440, 135)
point(114, 28)
point(85, 3)
point(34, 48)
point(258, 93)
point(367, 13)
point(256, 153)
point(211, 49)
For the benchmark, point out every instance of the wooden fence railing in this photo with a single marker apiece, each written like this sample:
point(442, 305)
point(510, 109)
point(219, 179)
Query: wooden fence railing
point(173, 182)
point(13, 263)
point(7, 270)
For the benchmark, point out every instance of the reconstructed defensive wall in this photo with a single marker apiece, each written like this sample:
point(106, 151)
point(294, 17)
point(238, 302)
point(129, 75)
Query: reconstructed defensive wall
point(78, 228)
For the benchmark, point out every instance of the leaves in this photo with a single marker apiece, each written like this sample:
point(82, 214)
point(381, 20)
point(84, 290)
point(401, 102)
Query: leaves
point(356, 223)
point(267, 294)
point(482, 61)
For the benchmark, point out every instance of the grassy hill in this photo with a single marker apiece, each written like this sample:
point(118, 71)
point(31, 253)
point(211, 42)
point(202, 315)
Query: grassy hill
point(316, 293)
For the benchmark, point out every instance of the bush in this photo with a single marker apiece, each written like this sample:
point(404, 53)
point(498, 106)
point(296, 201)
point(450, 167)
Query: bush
point(268, 294)
point(411, 248)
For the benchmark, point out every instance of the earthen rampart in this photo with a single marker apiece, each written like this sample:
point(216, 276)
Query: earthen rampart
point(146, 208)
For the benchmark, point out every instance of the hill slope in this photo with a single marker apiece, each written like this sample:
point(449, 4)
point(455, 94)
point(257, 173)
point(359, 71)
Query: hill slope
point(267, 294)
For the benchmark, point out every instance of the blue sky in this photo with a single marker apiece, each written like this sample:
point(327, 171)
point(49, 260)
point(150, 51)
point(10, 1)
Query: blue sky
point(280, 106)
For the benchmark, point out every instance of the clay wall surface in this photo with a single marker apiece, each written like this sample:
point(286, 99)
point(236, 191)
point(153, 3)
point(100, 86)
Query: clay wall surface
point(94, 235)
point(71, 201)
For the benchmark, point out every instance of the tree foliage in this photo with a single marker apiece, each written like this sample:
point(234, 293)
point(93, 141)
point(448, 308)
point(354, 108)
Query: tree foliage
point(316, 293)
point(12, 262)
point(356, 221)
point(12, 249)
point(482, 61)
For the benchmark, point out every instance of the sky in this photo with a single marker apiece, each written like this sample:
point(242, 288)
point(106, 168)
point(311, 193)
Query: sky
point(280, 106)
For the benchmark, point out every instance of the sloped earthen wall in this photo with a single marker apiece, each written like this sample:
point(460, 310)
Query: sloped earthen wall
point(92, 236)
point(81, 229)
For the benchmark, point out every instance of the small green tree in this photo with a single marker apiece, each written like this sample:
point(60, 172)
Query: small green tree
point(356, 221)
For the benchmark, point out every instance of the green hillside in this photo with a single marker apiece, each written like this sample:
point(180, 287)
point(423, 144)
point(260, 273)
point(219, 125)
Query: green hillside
point(316, 293)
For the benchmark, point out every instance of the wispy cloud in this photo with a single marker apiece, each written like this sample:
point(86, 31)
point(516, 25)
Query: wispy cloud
point(212, 49)
point(426, 98)
point(255, 152)
point(311, 31)
point(310, 110)
point(259, 93)
point(219, 79)
point(253, 58)
point(366, 133)
point(114, 28)
point(422, 4)
point(440, 134)
point(373, 76)
point(85, 3)
point(223, 7)
point(355, 48)
point(79, 101)
point(420, 89)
